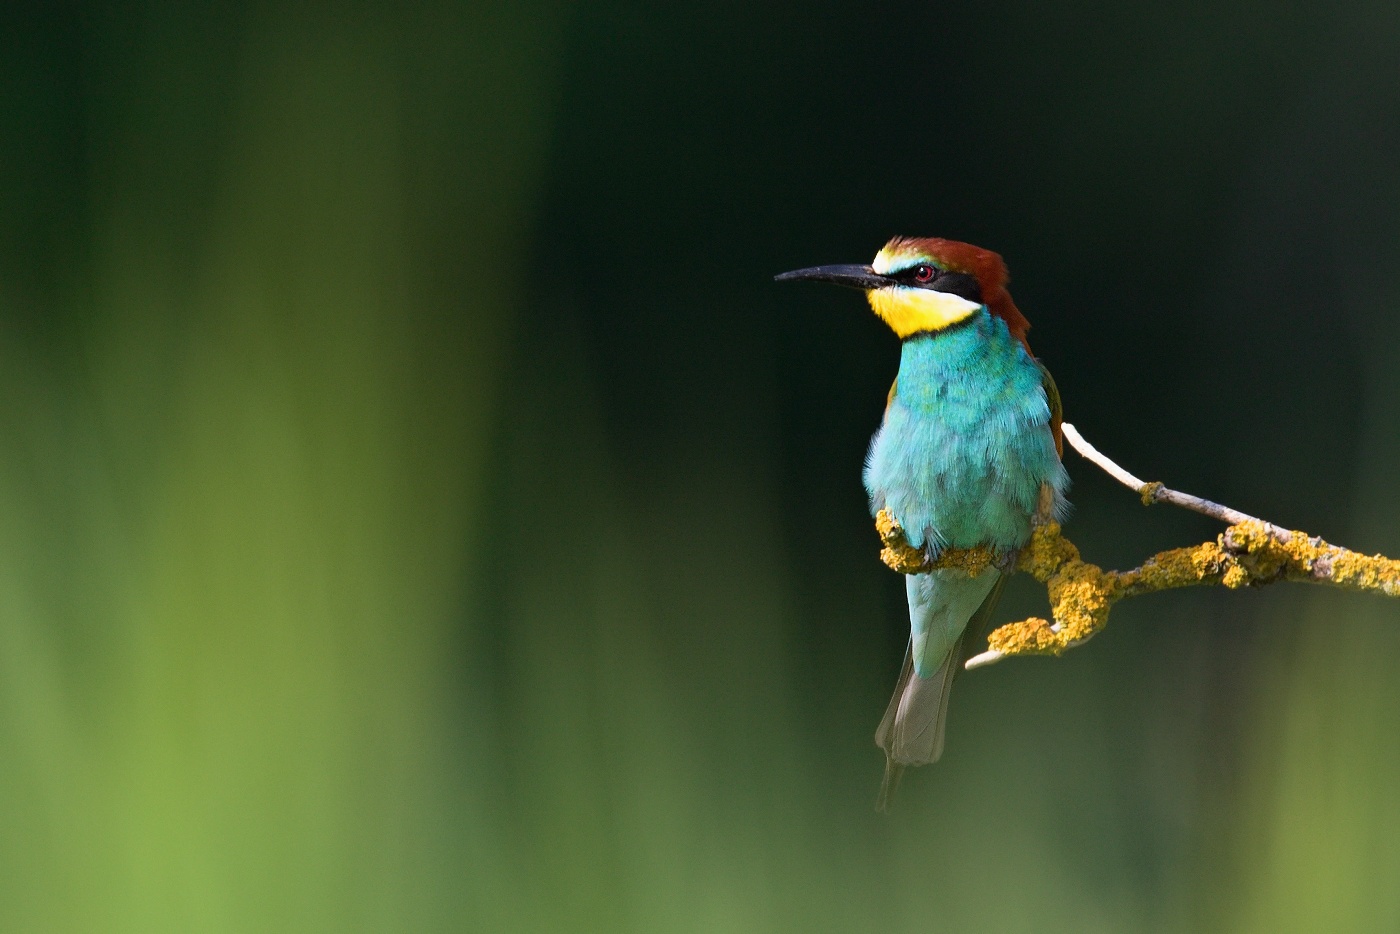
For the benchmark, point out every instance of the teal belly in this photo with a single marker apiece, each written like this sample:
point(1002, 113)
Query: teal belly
point(966, 443)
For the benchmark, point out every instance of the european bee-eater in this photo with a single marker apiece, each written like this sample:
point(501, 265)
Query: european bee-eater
point(968, 454)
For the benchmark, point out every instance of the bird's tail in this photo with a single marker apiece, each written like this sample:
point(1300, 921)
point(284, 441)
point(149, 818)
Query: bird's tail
point(911, 732)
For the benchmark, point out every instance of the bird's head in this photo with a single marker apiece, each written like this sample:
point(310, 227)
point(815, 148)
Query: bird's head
point(925, 284)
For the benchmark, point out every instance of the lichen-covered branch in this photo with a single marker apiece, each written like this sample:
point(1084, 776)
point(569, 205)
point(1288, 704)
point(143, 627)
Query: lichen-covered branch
point(1250, 553)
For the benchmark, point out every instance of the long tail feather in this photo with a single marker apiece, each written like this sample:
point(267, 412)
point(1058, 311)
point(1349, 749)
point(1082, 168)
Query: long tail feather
point(911, 733)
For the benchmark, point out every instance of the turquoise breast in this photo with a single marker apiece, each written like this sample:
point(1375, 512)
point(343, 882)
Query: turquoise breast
point(966, 441)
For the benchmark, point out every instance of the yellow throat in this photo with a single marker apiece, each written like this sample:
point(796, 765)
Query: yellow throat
point(909, 310)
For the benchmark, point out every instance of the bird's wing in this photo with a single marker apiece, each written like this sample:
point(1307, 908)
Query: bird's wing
point(1057, 409)
point(979, 626)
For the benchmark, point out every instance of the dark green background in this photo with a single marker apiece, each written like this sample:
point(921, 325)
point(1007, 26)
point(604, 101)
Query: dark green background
point(419, 509)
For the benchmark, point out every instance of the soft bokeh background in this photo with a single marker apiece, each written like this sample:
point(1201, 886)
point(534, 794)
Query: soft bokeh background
point(420, 511)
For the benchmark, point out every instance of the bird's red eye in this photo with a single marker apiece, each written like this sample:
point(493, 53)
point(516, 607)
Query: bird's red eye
point(924, 272)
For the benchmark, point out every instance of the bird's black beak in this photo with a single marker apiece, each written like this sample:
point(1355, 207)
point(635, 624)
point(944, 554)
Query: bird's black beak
point(855, 277)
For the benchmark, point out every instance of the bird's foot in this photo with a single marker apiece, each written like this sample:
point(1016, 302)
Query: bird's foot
point(1005, 561)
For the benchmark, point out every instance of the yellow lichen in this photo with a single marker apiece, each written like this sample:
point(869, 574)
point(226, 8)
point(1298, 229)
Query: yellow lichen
point(1046, 552)
point(1149, 492)
point(900, 556)
point(1366, 572)
point(1029, 637)
point(1080, 597)
point(897, 553)
point(1235, 578)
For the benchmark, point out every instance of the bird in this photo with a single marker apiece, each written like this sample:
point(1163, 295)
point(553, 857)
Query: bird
point(968, 454)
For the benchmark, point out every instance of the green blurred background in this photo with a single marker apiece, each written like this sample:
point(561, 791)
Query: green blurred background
point(420, 511)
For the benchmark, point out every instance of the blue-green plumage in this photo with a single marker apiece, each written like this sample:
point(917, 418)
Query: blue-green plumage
point(960, 461)
point(966, 442)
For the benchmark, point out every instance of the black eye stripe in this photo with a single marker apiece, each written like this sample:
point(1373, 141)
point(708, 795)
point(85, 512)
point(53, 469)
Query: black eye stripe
point(959, 284)
point(954, 283)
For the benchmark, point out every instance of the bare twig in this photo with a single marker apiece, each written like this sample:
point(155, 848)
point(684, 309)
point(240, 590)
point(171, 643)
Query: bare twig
point(1250, 553)
point(1153, 492)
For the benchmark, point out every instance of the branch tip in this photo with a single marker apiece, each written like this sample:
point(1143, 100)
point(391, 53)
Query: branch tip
point(984, 660)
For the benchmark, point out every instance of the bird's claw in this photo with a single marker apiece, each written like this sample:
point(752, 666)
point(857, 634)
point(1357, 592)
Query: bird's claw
point(1005, 561)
